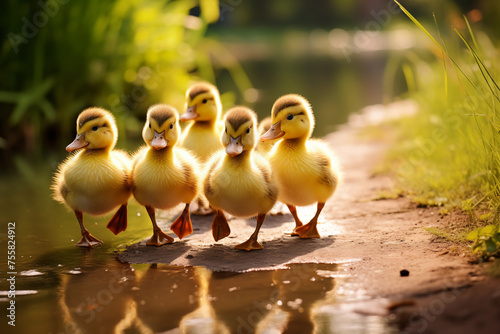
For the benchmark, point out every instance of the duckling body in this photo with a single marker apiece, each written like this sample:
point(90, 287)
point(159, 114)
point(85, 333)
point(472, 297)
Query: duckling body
point(164, 175)
point(239, 180)
point(202, 138)
point(305, 170)
point(163, 179)
point(95, 180)
point(304, 173)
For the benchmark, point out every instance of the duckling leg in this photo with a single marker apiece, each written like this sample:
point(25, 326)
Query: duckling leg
point(118, 222)
point(252, 242)
point(309, 230)
point(220, 227)
point(182, 225)
point(88, 240)
point(298, 223)
point(159, 237)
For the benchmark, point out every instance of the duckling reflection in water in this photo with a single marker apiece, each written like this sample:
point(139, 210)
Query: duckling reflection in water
point(99, 299)
point(239, 180)
point(165, 295)
point(304, 168)
point(96, 179)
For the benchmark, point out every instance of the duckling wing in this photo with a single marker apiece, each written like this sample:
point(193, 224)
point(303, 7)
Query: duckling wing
point(325, 161)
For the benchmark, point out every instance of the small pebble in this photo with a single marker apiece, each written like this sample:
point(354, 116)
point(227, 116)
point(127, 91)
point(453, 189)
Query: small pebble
point(189, 256)
point(404, 273)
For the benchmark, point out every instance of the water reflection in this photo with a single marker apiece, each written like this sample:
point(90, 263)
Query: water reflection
point(164, 295)
point(99, 300)
point(116, 298)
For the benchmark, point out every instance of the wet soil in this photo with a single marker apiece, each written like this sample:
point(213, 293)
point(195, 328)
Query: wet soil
point(376, 239)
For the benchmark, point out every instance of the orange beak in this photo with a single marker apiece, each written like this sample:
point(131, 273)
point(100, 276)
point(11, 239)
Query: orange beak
point(190, 114)
point(274, 132)
point(159, 142)
point(79, 142)
point(234, 147)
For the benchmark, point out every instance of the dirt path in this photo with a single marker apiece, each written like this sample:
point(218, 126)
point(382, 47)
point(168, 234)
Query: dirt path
point(373, 239)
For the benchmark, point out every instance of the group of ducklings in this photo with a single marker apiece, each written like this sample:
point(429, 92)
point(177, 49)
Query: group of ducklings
point(216, 162)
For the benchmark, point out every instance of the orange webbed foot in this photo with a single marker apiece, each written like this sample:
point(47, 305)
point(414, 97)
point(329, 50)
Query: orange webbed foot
point(118, 223)
point(88, 240)
point(220, 227)
point(159, 238)
point(182, 225)
point(250, 244)
point(307, 231)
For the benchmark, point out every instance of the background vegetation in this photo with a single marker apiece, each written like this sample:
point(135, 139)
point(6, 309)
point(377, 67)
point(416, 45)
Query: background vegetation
point(448, 153)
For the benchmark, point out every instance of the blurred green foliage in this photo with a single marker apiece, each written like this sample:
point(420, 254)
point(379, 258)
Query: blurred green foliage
point(60, 56)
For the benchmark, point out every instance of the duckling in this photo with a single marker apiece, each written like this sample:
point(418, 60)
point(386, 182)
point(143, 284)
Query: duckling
point(304, 168)
point(164, 175)
point(203, 106)
point(96, 179)
point(264, 147)
point(239, 180)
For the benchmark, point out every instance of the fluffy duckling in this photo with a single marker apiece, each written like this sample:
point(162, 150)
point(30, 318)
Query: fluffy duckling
point(164, 175)
point(239, 180)
point(203, 107)
point(303, 167)
point(264, 147)
point(95, 180)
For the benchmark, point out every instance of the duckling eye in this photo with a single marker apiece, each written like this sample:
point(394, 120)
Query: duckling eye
point(172, 125)
point(226, 130)
point(150, 125)
point(95, 127)
point(204, 101)
point(248, 130)
point(289, 117)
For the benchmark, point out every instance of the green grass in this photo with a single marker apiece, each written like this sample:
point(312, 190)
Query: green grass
point(448, 154)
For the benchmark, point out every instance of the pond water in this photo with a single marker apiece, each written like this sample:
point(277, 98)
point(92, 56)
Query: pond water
point(64, 289)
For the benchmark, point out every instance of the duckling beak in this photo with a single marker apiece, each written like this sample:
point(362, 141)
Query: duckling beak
point(159, 142)
point(190, 114)
point(234, 147)
point(274, 132)
point(79, 142)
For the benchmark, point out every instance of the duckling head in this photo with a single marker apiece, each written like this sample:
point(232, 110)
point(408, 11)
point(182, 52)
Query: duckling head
point(203, 103)
point(95, 129)
point(240, 130)
point(292, 118)
point(162, 127)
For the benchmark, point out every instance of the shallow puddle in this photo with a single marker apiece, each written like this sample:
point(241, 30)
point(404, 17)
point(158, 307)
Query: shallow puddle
point(115, 297)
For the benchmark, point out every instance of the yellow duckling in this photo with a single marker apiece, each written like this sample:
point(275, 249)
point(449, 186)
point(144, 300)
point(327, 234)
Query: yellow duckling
point(202, 136)
point(204, 108)
point(96, 179)
point(239, 180)
point(264, 147)
point(303, 167)
point(164, 175)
